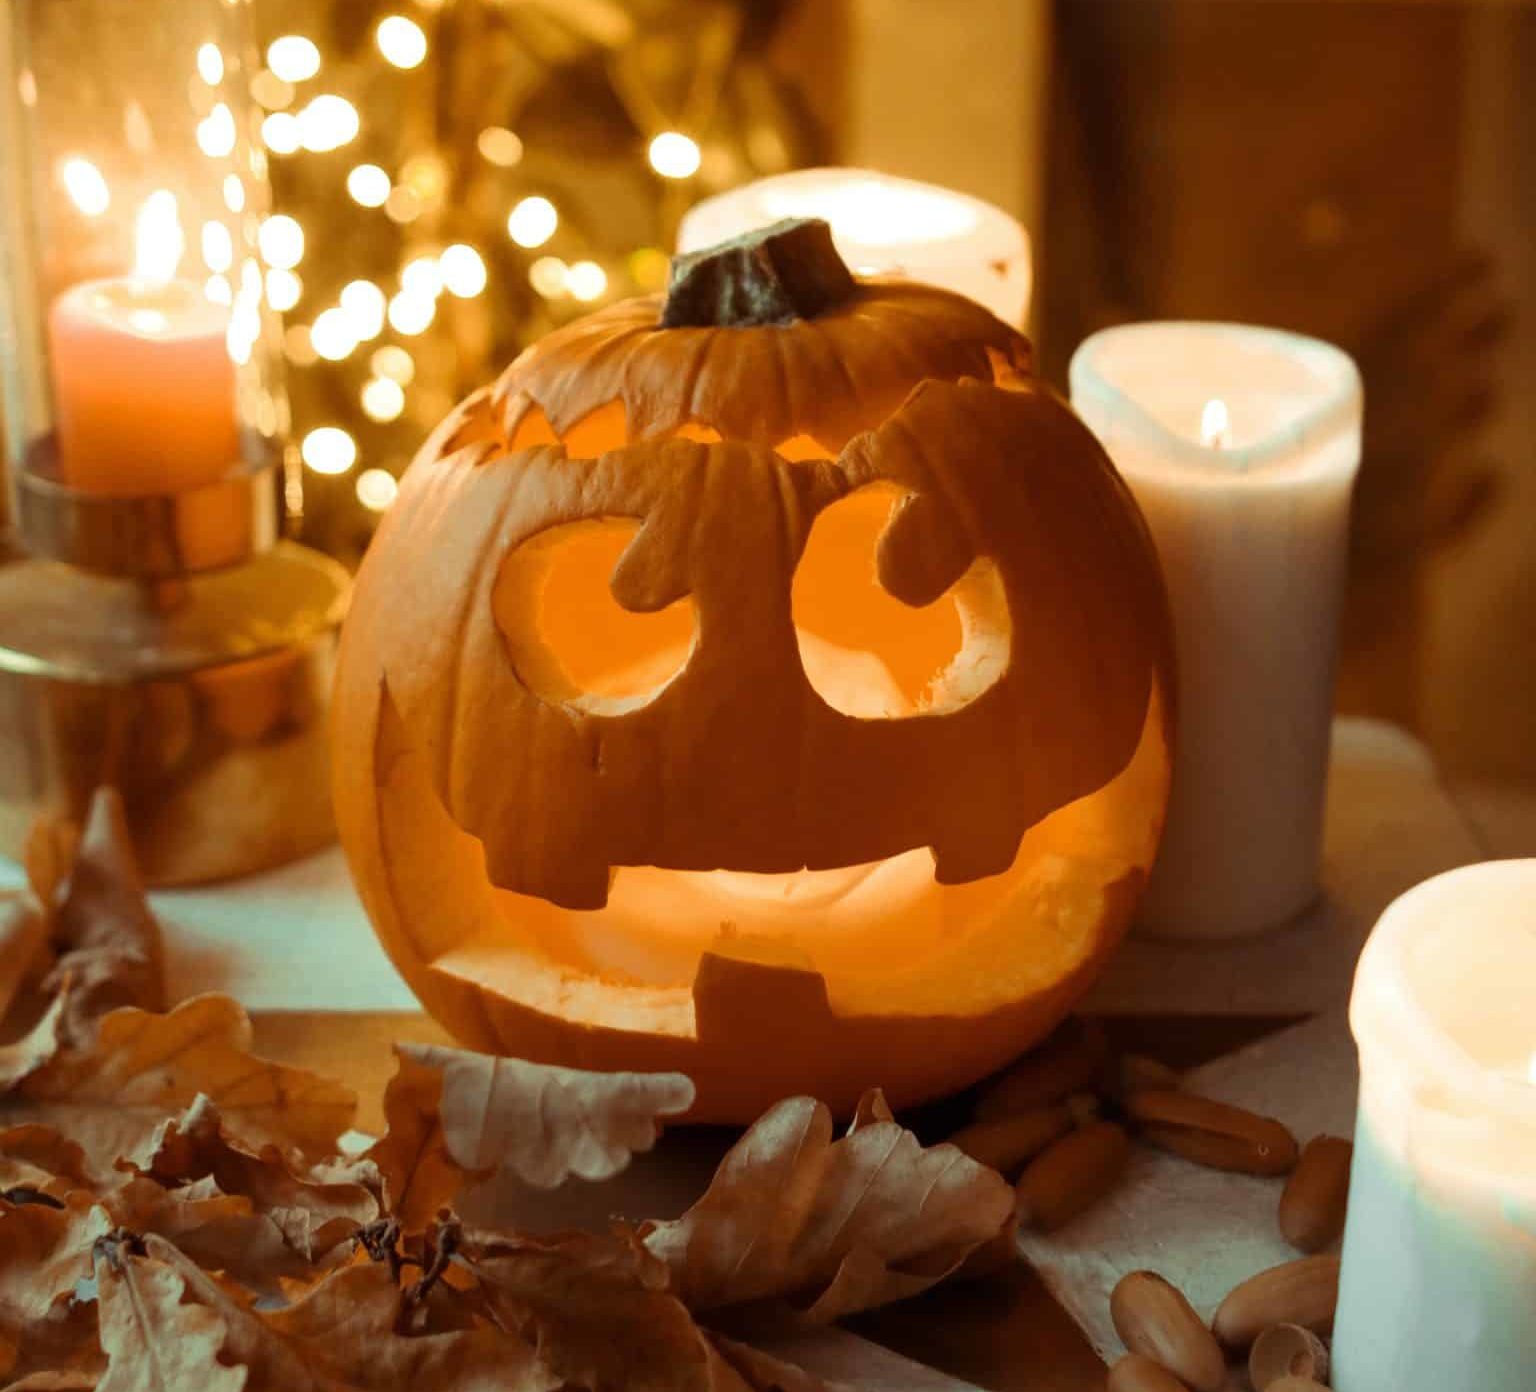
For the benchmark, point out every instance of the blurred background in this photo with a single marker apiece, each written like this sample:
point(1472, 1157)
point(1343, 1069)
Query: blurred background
point(462, 175)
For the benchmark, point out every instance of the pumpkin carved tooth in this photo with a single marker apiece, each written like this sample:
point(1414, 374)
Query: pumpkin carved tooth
point(951, 635)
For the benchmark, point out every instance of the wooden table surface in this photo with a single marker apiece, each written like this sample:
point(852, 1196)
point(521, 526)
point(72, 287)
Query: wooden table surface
point(1005, 1334)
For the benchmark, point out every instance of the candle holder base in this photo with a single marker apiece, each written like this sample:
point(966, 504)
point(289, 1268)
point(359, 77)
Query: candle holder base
point(201, 698)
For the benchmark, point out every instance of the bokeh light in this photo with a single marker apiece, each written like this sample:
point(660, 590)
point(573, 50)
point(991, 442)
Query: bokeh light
point(533, 221)
point(401, 41)
point(210, 64)
point(216, 132)
point(411, 314)
point(85, 185)
point(281, 241)
point(674, 155)
point(364, 305)
point(586, 281)
point(283, 290)
point(218, 247)
point(368, 185)
point(327, 123)
point(376, 488)
point(333, 335)
point(500, 146)
point(547, 276)
point(328, 449)
point(463, 270)
point(392, 361)
point(422, 276)
point(293, 58)
point(281, 134)
point(383, 399)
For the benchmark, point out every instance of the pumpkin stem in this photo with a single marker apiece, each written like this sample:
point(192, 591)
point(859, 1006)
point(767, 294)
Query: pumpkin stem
point(772, 275)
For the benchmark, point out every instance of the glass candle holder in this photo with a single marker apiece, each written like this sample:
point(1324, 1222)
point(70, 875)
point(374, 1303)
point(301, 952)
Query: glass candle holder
point(1439, 1271)
point(142, 362)
point(1241, 444)
point(883, 225)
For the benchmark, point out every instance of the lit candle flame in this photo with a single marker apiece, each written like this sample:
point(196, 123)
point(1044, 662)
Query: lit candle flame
point(158, 239)
point(1215, 424)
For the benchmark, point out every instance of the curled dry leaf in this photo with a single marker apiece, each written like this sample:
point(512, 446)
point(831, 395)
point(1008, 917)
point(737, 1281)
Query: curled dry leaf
point(596, 1307)
point(457, 1117)
point(153, 1341)
point(818, 1228)
point(111, 1097)
point(107, 938)
point(763, 1372)
point(25, 1056)
point(24, 950)
point(312, 1217)
point(37, 1157)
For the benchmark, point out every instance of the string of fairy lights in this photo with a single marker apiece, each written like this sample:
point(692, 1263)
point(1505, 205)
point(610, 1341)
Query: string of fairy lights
point(449, 181)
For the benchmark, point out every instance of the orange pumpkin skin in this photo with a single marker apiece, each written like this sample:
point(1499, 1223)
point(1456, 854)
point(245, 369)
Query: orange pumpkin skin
point(536, 854)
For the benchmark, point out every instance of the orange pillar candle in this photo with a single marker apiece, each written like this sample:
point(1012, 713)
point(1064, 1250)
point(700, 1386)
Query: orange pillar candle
point(144, 387)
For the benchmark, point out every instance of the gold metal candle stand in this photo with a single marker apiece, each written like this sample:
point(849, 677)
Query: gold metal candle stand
point(173, 646)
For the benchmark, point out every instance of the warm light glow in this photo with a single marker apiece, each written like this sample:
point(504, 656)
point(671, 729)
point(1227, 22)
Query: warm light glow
point(281, 241)
point(402, 205)
point(426, 176)
point(463, 270)
point(376, 488)
point(84, 183)
point(675, 155)
point(422, 277)
point(586, 281)
point(271, 91)
point(383, 399)
point(216, 132)
point(280, 133)
point(1530, 1071)
point(158, 242)
point(218, 247)
point(401, 41)
point(300, 351)
point(547, 276)
point(875, 214)
point(328, 123)
point(210, 64)
point(363, 303)
point(328, 449)
point(393, 362)
point(283, 290)
point(1215, 424)
point(500, 146)
point(217, 290)
point(293, 58)
point(411, 314)
point(234, 193)
point(532, 222)
point(332, 335)
point(368, 185)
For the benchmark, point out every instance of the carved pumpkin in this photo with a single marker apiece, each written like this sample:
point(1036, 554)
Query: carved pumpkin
point(772, 685)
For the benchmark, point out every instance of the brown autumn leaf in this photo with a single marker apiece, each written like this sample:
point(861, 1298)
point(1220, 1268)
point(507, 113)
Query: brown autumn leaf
point(763, 1372)
point(597, 1308)
point(108, 940)
point(456, 1118)
point(24, 952)
point(154, 1341)
point(44, 1253)
point(23, 1057)
point(55, 1381)
point(111, 1097)
point(801, 1228)
point(312, 1216)
point(37, 1157)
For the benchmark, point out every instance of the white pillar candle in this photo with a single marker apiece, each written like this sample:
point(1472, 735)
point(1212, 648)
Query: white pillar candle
point(884, 225)
point(1241, 445)
point(1439, 1283)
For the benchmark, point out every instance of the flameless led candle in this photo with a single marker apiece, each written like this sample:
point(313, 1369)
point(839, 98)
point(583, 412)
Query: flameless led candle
point(1241, 445)
point(884, 225)
point(1439, 1278)
point(144, 386)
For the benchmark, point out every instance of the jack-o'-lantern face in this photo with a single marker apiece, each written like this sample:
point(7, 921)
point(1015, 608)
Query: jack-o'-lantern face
point(726, 698)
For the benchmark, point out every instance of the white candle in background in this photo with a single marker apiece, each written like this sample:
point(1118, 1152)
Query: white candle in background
point(1439, 1281)
point(884, 225)
point(1241, 445)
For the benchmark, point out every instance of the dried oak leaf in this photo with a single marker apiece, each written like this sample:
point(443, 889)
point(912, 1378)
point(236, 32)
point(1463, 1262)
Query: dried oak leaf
point(54, 1381)
point(340, 1337)
point(37, 1157)
point(312, 1216)
point(763, 1372)
point(800, 1228)
point(23, 1057)
point(44, 1253)
point(595, 1306)
point(143, 1067)
point(457, 1117)
point(107, 938)
point(153, 1339)
point(24, 950)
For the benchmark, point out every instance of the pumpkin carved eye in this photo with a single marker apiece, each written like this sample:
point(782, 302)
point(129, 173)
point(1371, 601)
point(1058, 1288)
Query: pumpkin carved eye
point(570, 641)
point(870, 655)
